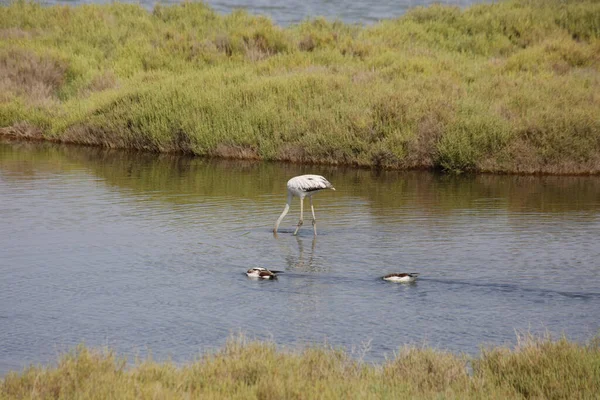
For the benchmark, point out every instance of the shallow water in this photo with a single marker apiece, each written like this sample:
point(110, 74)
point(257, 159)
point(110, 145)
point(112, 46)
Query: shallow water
point(140, 251)
point(294, 11)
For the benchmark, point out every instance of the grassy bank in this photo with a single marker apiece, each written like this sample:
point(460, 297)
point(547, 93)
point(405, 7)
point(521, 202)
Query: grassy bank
point(536, 368)
point(506, 87)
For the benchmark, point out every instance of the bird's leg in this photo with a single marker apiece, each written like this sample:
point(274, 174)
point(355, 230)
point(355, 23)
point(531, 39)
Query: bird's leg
point(301, 215)
point(314, 221)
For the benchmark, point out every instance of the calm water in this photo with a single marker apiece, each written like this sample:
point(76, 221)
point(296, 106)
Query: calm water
point(141, 252)
point(294, 11)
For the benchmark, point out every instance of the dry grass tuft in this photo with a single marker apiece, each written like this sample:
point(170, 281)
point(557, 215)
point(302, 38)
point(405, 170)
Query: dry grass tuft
point(24, 73)
point(537, 368)
point(235, 152)
point(543, 368)
point(104, 81)
point(427, 370)
point(15, 33)
point(23, 130)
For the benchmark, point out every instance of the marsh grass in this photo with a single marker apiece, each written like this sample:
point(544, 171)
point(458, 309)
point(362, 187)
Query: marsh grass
point(505, 87)
point(538, 367)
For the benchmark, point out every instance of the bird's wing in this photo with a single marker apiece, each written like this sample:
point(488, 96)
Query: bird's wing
point(309, 183)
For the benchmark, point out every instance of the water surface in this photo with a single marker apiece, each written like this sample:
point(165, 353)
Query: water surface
point(295, 11)
point(147, 252)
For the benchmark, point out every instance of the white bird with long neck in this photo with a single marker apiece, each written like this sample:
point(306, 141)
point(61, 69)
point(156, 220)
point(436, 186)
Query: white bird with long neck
point(303, 186)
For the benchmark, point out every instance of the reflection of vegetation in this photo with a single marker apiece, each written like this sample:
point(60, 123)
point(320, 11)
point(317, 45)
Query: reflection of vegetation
point(182, 179)
point(537, 368)
point(516, 193)
point(511, 86)
point(28, 159)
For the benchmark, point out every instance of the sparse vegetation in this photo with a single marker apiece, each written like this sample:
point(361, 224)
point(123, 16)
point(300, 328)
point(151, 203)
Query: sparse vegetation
point(505, 87)
point(536, 368)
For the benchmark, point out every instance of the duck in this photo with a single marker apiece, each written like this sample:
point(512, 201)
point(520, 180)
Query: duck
point(262, 273)
point(404, 277)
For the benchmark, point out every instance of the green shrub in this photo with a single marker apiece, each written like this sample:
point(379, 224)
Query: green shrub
point(505, 87)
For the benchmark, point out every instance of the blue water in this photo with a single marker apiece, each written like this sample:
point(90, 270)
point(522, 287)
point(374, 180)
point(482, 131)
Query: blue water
point(294, 11)
point(145, 252)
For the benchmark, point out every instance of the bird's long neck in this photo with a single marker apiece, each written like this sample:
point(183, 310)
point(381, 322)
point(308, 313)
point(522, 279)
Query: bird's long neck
point(285, 211)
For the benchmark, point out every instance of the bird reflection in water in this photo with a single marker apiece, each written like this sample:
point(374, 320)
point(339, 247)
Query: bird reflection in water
point(305, 261)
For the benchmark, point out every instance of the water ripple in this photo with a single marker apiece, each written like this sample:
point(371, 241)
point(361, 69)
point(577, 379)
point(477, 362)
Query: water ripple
point(156, 261)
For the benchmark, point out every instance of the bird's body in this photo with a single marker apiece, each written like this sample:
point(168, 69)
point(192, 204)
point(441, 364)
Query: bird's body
point(307, 185)
point(402, 277)
point(303, 186)
point(262, 273)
